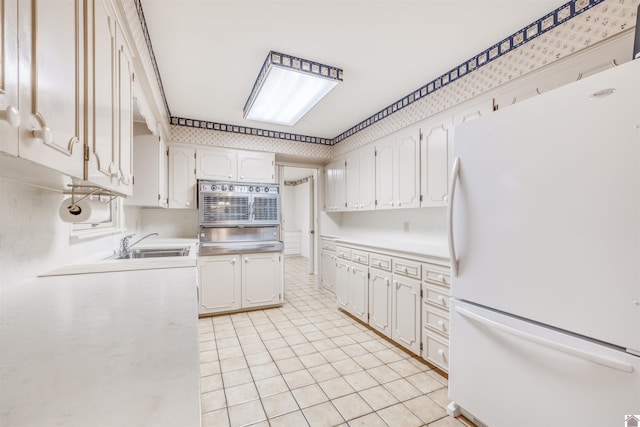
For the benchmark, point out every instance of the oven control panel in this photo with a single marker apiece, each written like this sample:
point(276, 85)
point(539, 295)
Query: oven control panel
point(231, 187)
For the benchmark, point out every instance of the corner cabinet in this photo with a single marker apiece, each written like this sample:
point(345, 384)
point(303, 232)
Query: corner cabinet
point(229, 283)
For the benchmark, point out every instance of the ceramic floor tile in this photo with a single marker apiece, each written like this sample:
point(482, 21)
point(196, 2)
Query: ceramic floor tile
point(402, 389)
point(425, 409)
point(440, 396)
point(233, 363)
point(378, 397)
point(279, 404)
point(210, 383)
point(313, 359)
point(269, 386)
point(229, 352)
point(447, 422)
point(246, 413)
point(425, 382)
point(399, 415)
point(241, 393)
point(237, 377)
point(361, 380)
point(336, 387)
point(325, 344)
point(227, 342)
point(309, 395)
point(405, 368)
point(289, 365)
point(347, 366)
point(323, 372)
point(383, 374)
point(267, 370)
point(208, 356)
point(334, 354)
point(256, 347)
point(258, 358)
point(323, 415)
point(370, 420)
point(213, 400)
point(219, 418)
point(209, 368)
point(351, 406)
point(293, 419)
point(368, 361)
point(298, 379)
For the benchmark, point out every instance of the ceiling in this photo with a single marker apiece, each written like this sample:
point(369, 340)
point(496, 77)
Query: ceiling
point(209, 52)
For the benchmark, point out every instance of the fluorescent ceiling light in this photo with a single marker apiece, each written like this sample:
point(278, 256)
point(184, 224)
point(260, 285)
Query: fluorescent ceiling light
point(287, 88)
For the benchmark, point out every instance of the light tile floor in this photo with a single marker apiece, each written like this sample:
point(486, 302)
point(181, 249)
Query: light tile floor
point(308, 364)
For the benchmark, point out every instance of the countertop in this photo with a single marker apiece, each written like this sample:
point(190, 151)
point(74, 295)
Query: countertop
point(97, 263)
point(435, 248)
point(108, 349)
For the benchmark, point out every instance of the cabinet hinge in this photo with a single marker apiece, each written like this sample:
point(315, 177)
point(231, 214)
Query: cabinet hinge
point(368, 317)
point(375, 153)
point(420, 293)
point(368, 275)
point(133, 77)
point(345, 163)
point(86, 151)
point(421, 197)
point(195, 155)
point(159, 198)
point(133, 180)
point(420, 346)
point(376, 203)
point(345, 204)
point(167, 151)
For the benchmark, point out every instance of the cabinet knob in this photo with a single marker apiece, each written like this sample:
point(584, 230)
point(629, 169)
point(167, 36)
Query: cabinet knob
point(445, 198)
point(44, 134)
point(246, 260)
point(392, 204)
point(188, 204)
point(441, 324)
point(441, 353)
point(386, 281)
point(399, 204)
point(395, 282)
point(241, 176)
point(440, 299)
point(11, 115)
point(233, 261)
point(405, 269)
point(229, 176)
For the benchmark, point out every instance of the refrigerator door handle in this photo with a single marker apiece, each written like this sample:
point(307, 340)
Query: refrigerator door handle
point(452, 191)
point(582, 354)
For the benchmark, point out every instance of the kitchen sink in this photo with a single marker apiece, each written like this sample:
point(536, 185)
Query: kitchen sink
point(153, 253)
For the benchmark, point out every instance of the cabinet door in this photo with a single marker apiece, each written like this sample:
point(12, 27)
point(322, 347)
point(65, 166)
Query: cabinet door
point(256, 167)
point(405, 317)
point(435, 162)
point(219, 283)
point(367, 178)
point(343, 277)
point(182, 180)
point(51, 94)
point(124, 79)
point(102, 167)
point(339, 185)
point(216, 164)
point(328, 269)
point(359, 292)
point(407, 170)
point(385, 161)
point(328, 188)
point(380, 301)
point(150, 170)
point(9, 77)
point(261, 279)
point(352, 181)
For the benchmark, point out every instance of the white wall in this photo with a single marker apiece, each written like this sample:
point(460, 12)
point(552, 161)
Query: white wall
point(33, 239)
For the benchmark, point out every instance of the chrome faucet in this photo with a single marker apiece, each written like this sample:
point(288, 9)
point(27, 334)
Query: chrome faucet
point(125, 247)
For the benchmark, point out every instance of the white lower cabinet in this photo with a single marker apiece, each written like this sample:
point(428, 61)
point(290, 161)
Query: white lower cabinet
point(405, 309)
point(261, 279)
point(405, 299)
point(235, 282)
point(380, 300)
point(328, 269)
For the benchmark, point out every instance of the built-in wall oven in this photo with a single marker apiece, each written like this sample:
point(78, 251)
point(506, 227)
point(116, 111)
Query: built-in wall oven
point(238, 217)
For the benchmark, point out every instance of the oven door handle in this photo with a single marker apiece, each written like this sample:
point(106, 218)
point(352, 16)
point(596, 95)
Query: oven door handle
point(251, 210)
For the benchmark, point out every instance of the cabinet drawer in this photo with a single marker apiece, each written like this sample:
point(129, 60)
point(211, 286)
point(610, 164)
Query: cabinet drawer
point(436, 320)
point(436, 351)
point(344, 253)
point(329, 245)
point(360, 257)
point(436, 274)
point(406, 268)
point(380, 261)
point(436, 296)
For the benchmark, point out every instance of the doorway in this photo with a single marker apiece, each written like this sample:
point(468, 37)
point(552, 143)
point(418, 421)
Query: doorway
point(299, 214)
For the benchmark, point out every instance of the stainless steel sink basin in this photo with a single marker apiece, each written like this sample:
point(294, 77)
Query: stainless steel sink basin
point(153, 253)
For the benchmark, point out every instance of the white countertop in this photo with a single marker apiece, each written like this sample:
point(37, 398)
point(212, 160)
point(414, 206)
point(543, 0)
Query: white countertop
point(109, 349)
point(434, 248)
point(97, 262)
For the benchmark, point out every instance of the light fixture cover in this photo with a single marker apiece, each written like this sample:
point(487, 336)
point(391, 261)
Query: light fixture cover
point(288, 87)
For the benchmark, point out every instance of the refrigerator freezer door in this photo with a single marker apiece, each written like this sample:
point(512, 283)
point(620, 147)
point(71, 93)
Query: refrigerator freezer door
point(508, 372)
point(546, 216)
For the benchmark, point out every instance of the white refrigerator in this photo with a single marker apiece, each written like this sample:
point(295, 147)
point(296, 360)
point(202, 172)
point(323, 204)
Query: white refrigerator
point(544, 232)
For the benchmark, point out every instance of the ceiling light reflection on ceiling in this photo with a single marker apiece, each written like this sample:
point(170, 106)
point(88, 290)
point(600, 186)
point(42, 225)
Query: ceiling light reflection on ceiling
point(287, 88)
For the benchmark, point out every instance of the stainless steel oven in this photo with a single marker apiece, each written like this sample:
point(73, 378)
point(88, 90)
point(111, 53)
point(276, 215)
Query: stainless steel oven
point(223, 203)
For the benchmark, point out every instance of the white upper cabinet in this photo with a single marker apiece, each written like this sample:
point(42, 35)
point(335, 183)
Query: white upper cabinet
point(51, 75)
point(360, 179)
point(398, 170)
point(435, 161)
point(216, 164)
point(182, 178)
point(109, 102)
point(150, 170)
point(234, 165)
point(335, 194)
point(9, 112)
point(255, 166)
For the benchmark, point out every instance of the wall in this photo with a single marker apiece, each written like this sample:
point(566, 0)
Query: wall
point(182, 223)
point(33, 239)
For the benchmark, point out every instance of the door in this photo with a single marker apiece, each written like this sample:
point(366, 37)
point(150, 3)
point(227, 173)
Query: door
point(501, 364)
point(380, 301)
point(359, 291)
point(219, 283)
point(405, 323)
point(51, 98)
point(9, 77)
point(312, 224)
point(547, 218)
point(343, 278)
point(261, 279)
point(182, 180)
